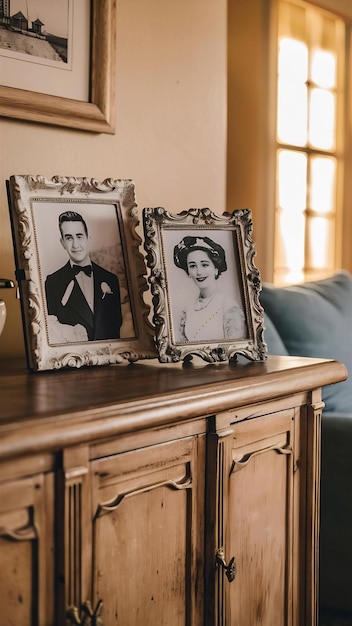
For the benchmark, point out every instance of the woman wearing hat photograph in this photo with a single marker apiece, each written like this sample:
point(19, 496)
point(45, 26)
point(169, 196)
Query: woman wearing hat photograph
point(213, 315)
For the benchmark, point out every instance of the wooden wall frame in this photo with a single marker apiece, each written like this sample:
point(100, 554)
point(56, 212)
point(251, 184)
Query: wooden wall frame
point(97, 115)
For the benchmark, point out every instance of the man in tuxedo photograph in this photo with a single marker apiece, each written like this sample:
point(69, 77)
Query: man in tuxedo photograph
point(83, 298)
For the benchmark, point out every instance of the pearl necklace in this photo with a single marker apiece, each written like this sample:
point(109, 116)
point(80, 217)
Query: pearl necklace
point(202, 303)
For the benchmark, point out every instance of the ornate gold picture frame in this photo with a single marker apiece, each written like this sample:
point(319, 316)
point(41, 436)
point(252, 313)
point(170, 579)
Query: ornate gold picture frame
point(80, 271)
point(205, 286)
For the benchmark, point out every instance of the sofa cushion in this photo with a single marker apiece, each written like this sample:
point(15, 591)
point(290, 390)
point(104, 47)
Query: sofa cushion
point(272, 338)
point(315, 320)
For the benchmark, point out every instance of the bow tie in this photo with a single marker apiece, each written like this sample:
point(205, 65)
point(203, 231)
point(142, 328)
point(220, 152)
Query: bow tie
point(87, 269)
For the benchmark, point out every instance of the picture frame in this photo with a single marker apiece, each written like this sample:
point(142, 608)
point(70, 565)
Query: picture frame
point(57, 223)
point(96, 115)
point(205, 304)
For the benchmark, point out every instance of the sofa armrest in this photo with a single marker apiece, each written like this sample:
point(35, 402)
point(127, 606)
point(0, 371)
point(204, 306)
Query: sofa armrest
point(336, 512)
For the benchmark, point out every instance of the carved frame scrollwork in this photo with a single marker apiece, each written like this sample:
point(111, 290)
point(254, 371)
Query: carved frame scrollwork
point(35, 203)
point(158, 223)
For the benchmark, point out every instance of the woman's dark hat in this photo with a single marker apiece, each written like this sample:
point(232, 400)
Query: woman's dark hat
point(215, 252)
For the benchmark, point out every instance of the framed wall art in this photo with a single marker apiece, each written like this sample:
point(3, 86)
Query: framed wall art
point(80, 271)
point(58, 62)
point(205, 286)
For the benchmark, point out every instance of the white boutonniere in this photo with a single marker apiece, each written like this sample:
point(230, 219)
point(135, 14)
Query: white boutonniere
point(67, 293)
point(106, 289)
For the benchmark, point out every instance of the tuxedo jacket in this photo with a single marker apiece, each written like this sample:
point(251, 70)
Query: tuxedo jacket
point(66, 301)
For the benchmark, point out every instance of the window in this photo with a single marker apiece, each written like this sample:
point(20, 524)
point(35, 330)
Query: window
point(309, 142)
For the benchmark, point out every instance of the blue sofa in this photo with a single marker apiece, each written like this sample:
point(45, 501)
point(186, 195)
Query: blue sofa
point(315, 319)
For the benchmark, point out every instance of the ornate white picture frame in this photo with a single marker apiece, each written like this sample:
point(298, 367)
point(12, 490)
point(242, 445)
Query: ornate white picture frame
point(76, 316)
point(205, 286)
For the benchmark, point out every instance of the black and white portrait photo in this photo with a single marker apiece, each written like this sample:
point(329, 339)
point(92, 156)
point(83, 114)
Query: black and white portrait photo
point(80, 271)
point(206, 298)
point(205, 285)
point(80, 258)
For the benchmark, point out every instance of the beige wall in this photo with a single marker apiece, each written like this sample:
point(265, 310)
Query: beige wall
point(248, 148)
point(170, 124)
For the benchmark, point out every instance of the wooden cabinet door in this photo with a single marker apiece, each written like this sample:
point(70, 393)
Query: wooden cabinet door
point(147, 535)
point(260, 521)
point(256, 523)
point(26, 551)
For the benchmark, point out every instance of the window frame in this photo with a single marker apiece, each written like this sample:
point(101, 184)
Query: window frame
point(342, 152)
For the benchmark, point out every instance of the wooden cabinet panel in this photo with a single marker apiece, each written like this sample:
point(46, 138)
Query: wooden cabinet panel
point(259, 525)
point(26, 551)
point(147, 535)
point(73, 537)
point(255, 524)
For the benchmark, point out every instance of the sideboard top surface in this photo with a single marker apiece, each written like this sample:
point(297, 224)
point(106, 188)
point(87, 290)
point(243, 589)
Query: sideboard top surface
point(116, 399)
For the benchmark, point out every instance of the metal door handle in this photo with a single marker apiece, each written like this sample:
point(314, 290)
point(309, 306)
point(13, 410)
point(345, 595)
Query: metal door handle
point(230, 568)
point(90, 617)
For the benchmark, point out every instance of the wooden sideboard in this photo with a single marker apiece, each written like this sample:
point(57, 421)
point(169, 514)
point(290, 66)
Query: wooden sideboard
point(176, 494)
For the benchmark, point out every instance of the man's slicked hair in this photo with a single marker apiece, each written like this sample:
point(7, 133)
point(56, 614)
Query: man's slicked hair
point(72, 216)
